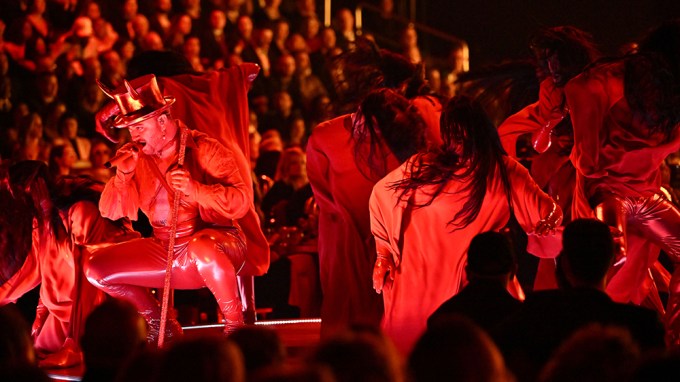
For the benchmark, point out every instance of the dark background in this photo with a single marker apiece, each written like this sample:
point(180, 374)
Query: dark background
point(496, 30)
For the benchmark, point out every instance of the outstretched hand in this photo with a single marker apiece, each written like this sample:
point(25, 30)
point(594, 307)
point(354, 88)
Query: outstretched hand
point(549, 224)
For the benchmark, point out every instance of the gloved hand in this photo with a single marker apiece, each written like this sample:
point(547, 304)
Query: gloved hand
point(128, 163)
point(41, 314)
point(383, 272)
point(548, 225)
point(104, 121)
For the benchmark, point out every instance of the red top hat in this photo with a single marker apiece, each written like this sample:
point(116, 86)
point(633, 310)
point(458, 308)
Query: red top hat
point(137, 100)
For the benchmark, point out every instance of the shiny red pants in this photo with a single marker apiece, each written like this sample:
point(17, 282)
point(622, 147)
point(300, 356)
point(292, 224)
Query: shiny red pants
point(658, 221)
point(206, 258)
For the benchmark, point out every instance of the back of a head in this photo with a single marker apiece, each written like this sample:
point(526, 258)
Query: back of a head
point(456, 349)
point(464, 122)
point(114, 331)
point(295, 373)
point(359, 356)
point(16, 346)
point(660, 367)
point(490, 255)
point(389, 115)
point(652, 79)
point(202, 359)
point(261, 347)
point(664, 41)
point(594, 353)
point(587, 250)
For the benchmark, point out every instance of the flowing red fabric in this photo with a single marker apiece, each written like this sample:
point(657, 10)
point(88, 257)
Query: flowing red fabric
point(216, 103)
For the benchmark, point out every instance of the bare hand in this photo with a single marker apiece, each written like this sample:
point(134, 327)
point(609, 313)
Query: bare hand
point(383, 273)
point(180, 180)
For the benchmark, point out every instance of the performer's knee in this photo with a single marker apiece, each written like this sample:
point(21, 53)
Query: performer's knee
point(203, 248)
point(94, 271)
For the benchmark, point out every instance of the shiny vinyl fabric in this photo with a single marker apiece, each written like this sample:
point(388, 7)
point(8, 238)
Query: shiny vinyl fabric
point(203, 258)
point(642, 220)
point(618, 169)
point(209, 246)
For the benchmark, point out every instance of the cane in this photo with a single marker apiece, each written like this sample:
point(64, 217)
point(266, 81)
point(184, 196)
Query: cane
point(171, 244)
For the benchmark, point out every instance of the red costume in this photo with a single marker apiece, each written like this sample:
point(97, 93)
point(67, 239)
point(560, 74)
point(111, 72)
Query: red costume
point(56, 265)
point(551, 168)
point(429, 257)
point(210, 248)
point(618, 165)
point(342, 187)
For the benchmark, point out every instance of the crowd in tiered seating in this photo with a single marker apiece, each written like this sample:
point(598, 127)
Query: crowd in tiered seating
point(54, 54)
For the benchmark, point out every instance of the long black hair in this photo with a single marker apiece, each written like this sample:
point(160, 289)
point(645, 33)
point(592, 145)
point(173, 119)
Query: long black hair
point(575, 49)
point(652, 79)
point(471, 153)
point(386, 120)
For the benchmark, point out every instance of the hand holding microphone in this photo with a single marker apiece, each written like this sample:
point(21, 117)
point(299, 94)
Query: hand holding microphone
point(125, 159)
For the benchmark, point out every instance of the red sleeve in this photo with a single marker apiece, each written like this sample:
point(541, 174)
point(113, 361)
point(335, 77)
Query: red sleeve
point(588, 105)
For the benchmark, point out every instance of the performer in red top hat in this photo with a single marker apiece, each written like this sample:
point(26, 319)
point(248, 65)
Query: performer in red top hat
point(165, 156)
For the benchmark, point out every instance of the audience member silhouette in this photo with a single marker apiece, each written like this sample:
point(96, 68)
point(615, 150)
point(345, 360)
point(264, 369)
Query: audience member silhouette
point(114, 332)
point(456, 349)
point(261, 348)
point(660, 367)
point(202, 359)
point(360, 355)
point(547, 318)
point(18, 361)
point(594, 353)
point(297, 373)
point(485, 300)
point(16, 346)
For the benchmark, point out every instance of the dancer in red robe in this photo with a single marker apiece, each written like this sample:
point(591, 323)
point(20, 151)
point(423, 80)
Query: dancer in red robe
point(425, 213)
point(345, 157)
point(60, 219)
point(626, 115)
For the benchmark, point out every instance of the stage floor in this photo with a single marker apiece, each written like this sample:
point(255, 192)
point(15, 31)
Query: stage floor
point(299, 336)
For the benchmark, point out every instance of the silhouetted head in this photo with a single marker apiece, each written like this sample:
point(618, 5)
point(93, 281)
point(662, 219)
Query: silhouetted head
point(203, 359)
point(466, 129)
point(490, 256)
point(587, 251)
point(16, 345)
point(261, 347)
point(114, 332)
point(593, 353)
point(652, 79)
point(456, 349)
point(359, 356)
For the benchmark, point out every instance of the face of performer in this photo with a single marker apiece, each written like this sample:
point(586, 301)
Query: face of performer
point(153, 134)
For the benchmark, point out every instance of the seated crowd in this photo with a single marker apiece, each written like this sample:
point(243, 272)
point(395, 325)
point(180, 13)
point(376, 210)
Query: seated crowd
point(574, 333)
point(54, 54)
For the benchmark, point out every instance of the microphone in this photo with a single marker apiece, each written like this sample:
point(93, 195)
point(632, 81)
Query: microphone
point(121, 157)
